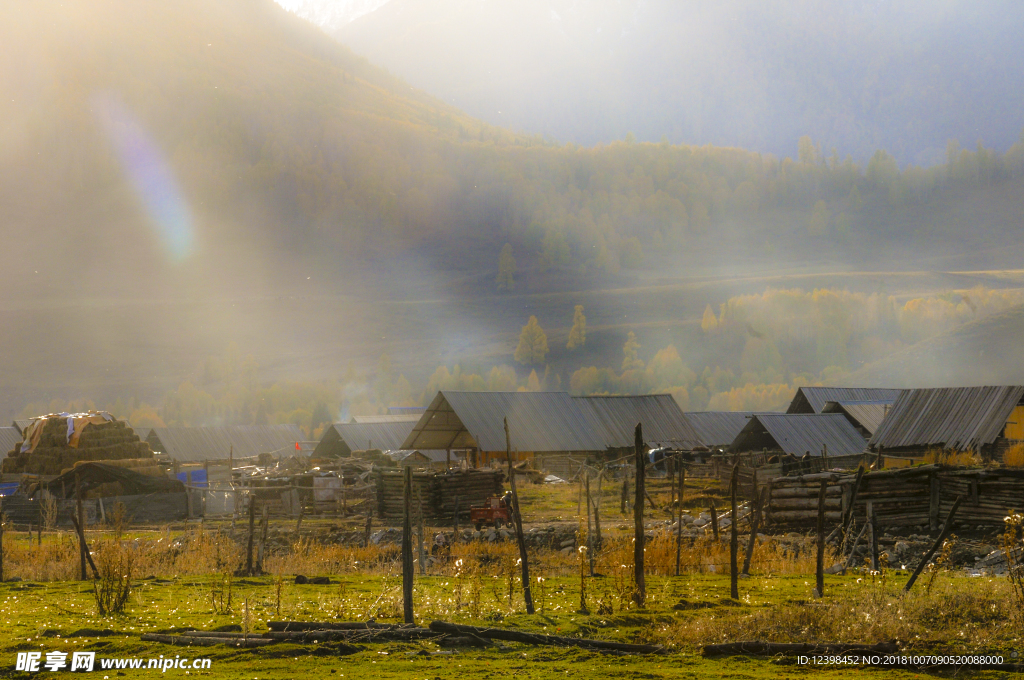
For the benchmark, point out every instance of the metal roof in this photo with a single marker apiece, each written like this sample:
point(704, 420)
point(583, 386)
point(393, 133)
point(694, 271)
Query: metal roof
point(401, 418)
point(800, 433)
point(663, 421)
point(867, 414)
point(813, 399)
point(718, 428)
point(21, 423)
point(218, 443)
point(538, 421)
point(952, 417)
point(375, 435)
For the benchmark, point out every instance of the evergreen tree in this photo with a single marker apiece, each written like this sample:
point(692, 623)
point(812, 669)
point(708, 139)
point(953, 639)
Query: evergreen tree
point(533, 344)
point(578, 332)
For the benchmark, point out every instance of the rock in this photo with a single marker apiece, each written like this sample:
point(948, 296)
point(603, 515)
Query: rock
point(568, 543)
point(688, 519)
point(701, 522)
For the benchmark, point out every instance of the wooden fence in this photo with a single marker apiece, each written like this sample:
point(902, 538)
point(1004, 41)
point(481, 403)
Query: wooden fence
point(434, 493)
point(917, 497)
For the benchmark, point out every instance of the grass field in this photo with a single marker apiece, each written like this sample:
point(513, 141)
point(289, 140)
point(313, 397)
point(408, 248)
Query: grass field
point(957, 616)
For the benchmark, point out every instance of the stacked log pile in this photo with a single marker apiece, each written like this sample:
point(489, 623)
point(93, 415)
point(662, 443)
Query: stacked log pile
point(915, 497)
point(108, 441)
point(434, 493)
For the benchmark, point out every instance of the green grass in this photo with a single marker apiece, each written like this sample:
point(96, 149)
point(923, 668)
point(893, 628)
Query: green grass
point(34, 614)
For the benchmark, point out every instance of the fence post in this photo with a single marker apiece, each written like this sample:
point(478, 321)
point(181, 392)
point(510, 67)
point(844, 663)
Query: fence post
point(2, 539)
point(407, 568)
point(820, 564)
point(755, 524)
point(638, 518)
point(598, 541)
point(252, 531)
point(590, 538)
point(946, 529)
point(714, 520)
point(81, 523)
point(679, 517)
point(517, 519)
point(421, 554)
point(874, 536)
point(455, 522)
point(734, 589)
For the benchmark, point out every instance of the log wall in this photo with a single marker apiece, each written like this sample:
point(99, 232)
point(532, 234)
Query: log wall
point(917, 497)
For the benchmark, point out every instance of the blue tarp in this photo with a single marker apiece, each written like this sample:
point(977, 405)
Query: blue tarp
point(8, 488)
point(198, 478)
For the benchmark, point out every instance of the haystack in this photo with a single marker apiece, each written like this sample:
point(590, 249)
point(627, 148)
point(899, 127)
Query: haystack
point(54, 446)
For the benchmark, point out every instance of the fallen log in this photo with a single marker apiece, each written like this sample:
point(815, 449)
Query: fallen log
point(334, 625)
point(365, 635)
point(198, 641)
point(758, 648)
point(536, 639)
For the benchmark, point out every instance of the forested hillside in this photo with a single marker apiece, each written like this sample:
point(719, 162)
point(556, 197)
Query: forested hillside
point(903, 75)
point(179, 176)
point(240, 133)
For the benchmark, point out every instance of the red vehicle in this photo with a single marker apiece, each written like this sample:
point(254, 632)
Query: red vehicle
point(495, 511)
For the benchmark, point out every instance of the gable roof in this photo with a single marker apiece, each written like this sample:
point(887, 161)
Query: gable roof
point(663, 422)
point(718, 428)
point(866, 414)
point(387, 435)
point(813, 399)
point(800, 433)
point(952, 417)
point(218, 443)
point(538, 421)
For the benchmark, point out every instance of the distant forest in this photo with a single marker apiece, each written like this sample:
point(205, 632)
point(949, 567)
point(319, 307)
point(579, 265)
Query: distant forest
point(282, 138)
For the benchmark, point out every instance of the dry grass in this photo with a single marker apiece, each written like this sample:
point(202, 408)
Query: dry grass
point(951, 458)
point(1014, 456)
point(970, 613)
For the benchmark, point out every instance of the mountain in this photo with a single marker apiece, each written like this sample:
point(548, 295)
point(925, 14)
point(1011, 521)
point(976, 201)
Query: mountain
point(177, 176)
point(906, 76)
point(983, 352)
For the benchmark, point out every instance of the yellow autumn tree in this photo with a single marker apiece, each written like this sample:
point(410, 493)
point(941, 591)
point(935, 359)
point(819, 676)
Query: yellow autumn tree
point(533, 344)
point(630, 360)
point(709, 323)
point(578, 332)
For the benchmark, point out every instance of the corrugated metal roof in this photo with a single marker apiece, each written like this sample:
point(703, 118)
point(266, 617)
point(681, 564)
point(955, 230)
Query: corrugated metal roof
point(953, 417)
point(401, 418)
point(663, 421)
point(813, 399)
point(538, 421)
point(867, 414)
point(718, 428)
point(800, 433)
point(381, 435)
point(216, 443)
point(21, 423)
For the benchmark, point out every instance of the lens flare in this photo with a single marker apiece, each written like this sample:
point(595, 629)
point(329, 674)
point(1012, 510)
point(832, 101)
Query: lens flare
point(150, 175)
